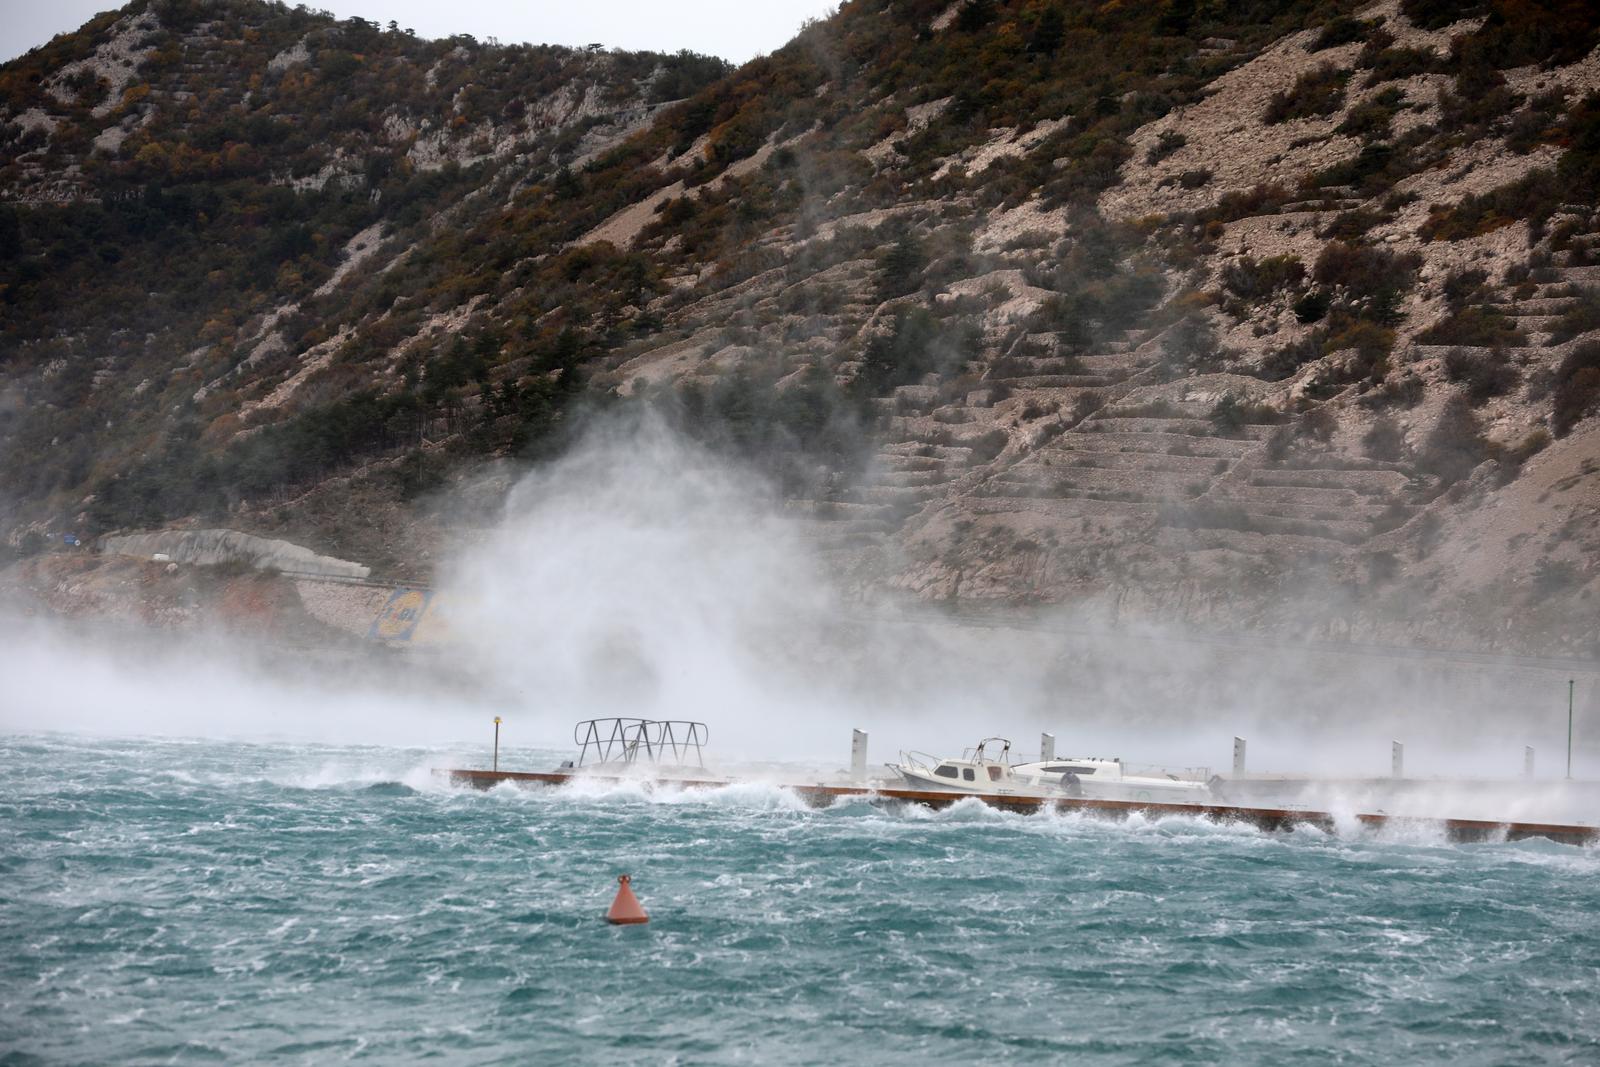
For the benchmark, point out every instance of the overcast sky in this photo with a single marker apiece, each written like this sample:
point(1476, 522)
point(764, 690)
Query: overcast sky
point(733, 29)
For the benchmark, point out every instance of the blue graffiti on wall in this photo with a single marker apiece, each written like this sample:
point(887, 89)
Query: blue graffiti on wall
point(400, 615)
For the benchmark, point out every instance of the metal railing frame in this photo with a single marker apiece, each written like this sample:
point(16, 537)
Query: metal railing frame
point(623, 740)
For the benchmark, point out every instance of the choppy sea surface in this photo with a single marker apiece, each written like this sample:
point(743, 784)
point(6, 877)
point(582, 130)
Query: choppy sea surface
point(199, 902)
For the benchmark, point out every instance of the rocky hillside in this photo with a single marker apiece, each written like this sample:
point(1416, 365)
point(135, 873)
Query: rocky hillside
point(1194, 311)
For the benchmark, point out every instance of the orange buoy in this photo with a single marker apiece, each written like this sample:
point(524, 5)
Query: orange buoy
point(625, 909)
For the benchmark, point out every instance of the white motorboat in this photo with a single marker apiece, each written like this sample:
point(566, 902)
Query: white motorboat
point(1109, 779)
point(988, 769)
point(984, 769)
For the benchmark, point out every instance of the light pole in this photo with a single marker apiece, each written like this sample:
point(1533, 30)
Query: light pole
point(497, 745)
point(1570, 684)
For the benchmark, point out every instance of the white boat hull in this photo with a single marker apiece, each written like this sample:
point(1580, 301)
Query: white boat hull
point(1154, 791)
point(941, 785)
point(1087, 777)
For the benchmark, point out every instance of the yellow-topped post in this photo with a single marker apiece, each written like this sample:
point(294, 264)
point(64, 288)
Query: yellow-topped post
point(497, 742)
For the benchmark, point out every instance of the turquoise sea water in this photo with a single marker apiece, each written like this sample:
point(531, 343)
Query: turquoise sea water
point(172, 902)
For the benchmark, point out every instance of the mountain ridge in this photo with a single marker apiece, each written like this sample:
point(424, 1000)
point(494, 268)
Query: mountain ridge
point(1246, 307)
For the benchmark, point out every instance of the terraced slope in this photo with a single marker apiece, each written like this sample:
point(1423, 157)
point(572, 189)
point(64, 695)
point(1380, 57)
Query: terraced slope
point(1249, 314)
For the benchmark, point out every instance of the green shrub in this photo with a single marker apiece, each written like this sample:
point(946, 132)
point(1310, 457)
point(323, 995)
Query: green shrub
point(1230, 415)
point(1374, 169)
point(684, 74)
point(1481, 96)
point(1166, 143)
point(1351, 225)
point(1097, 298)
point(1342, 29)
point(1536, 441)
point(1437, 14)
point(1370, 119)
point(1190, 344)
point(1384, 440)
point(1517, 33)
point(1284, 361)
point(1371, 341)
point(1254, 280)
point(1580, 318)
point(1279, 442)
point(1395, 64)
point(1576, 393)
point(1092, 163)
point(1150, 409)
point(1194, 179)
point(1463, 286)
point(916, 344)
point(1311, 307)
point(1374, 276)
point(1087, 404)
point(1554, 576)
point(1318, 423)
point(986, 446)
point(901, 266)
point(1405, 390)
point(794, 434)
point(1534, 197)
point(1481, 374)
point(418, 474)
point(1260, 199)
point(1579, 167)
point(1316, 92)
point(1476, 327)
point(1457, 444)
point(1048, 32)
point(1539, 123)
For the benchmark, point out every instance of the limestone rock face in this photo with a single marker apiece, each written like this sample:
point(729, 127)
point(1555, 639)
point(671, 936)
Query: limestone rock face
point(1292, 324)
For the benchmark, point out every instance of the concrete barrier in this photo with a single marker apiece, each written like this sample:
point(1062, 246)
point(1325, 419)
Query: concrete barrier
point(231, 546)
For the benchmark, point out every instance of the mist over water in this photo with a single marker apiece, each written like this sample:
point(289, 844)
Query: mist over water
point(640, 574)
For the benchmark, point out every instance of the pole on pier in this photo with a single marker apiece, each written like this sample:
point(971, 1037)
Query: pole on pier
point(1238, 755)
point(1570, 684)
point(1047, 747)
point(858, 754)
point(1397, 759)
point(497, 742)
point(1527, 761)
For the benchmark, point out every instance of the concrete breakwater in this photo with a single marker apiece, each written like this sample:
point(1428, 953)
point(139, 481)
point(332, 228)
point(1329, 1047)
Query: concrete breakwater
point(231, 546)
point(336, 592)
